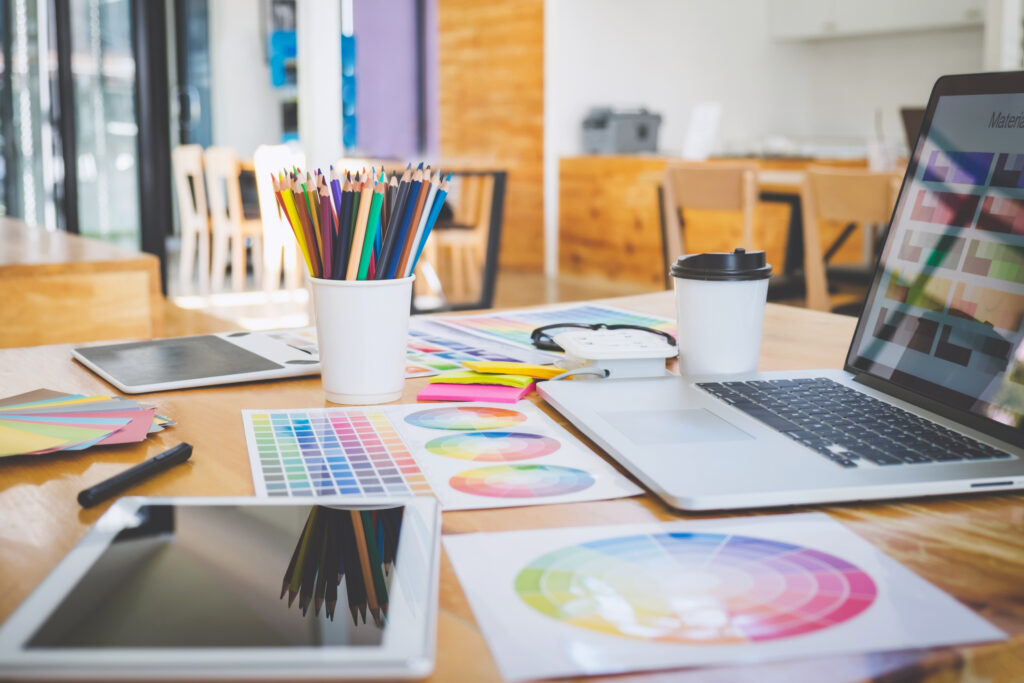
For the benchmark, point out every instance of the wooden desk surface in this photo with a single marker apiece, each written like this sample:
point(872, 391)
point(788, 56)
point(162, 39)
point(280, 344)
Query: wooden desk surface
point(969, 546)
point(58, 287)
point(24, 247)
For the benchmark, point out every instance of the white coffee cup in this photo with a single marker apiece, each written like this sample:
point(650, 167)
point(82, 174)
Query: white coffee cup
point(720, 299)
point(362, 330)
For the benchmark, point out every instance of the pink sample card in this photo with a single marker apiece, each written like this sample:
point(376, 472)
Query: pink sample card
point(492, 393)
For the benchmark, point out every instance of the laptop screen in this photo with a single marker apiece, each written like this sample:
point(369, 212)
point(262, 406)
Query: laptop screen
point(943, 317)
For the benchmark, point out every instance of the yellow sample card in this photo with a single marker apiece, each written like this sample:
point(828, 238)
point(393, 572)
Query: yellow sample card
point(470, 377)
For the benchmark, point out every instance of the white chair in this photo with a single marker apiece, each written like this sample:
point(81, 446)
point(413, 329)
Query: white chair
point(278, 239)
point(229, 224)
point(187, 167)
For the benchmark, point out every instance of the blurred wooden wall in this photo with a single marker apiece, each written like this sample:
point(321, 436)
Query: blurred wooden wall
point(492, 108)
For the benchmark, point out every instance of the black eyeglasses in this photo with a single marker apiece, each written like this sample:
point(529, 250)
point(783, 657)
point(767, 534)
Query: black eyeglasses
point(542, 337)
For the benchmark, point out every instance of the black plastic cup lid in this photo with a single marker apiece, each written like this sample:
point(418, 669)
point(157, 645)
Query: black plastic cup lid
point(736, 265)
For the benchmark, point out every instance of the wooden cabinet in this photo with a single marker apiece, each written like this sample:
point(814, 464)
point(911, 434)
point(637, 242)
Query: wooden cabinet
point(609, 220)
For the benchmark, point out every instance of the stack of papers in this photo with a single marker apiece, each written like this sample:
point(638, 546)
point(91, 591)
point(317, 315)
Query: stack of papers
point(466, 385)
point(44, 421)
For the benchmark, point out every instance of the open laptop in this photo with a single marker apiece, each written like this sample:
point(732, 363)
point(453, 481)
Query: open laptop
point(912, 118)
point(931, 399)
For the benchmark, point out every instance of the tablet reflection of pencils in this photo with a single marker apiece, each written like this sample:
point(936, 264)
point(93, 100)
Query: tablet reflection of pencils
point(355, 545)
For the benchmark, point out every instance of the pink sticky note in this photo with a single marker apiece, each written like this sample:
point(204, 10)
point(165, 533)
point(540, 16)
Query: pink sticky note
point(494, 393)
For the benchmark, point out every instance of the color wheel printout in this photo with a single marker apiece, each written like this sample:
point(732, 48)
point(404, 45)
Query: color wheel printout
point(606, 599)
point(469, 456)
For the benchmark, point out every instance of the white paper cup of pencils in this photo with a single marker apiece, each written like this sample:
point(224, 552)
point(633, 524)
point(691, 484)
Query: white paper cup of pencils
point(362, 330)
point(361, 237)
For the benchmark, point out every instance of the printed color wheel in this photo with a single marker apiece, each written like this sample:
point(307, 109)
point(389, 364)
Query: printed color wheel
point(466, 418)
point(493, 446)
point(695, 589)
point(521, 481)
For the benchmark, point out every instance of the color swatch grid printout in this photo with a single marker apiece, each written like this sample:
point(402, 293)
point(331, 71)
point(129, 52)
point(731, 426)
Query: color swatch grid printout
point(469, 456)
point(608, 599)
point(514, 327)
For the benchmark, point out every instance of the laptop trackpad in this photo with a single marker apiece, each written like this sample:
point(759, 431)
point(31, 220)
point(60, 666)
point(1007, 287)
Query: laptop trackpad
point(650, 427)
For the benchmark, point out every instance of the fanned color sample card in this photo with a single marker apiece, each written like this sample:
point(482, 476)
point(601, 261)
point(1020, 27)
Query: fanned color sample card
point(590, 600)
point(469, 456)
point(514, 327)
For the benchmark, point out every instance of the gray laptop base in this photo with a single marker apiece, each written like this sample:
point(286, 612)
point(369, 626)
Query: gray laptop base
point(696, 452)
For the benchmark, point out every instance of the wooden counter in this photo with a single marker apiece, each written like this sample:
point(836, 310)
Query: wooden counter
point(609, 221)
point(58, 287)
point(969, 546)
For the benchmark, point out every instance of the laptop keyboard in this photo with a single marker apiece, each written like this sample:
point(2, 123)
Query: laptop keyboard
point(847, 426)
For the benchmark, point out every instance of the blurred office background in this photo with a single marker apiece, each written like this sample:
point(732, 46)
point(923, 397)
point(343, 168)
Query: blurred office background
point(96, 96)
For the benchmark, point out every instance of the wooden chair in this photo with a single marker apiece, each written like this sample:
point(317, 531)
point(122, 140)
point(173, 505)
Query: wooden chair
point(278, 240)
point(725, 186)
point(463, 249)
point(187, 168)
point(230, 227)
point(849, 196)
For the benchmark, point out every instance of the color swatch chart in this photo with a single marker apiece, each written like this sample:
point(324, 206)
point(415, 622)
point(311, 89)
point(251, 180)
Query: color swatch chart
point(327, 453)
point(610, 599)
point(468, 456)
point(514, 327)
point(429, 354)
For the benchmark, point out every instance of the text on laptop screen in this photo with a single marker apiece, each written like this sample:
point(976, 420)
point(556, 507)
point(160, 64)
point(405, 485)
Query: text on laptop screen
point(945, 312)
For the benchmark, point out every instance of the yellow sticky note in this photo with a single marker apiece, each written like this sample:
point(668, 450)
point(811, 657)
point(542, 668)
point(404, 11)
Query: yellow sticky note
point(469, 377)
point(508, 368)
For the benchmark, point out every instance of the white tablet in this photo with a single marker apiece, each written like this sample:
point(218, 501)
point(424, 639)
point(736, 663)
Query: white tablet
point(237, 588)
point(203, 360)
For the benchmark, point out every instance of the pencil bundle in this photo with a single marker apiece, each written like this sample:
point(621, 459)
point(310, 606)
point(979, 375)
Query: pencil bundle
point(356, 545)
point(361, 226)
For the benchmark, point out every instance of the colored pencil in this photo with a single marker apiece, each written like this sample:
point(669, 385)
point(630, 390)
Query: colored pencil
point(365, 197)
point(435, 182)
point(373, 223)
point(435, 210)
point(403, 230)
point(407, 246)
point(391, 234)
point(327, 224)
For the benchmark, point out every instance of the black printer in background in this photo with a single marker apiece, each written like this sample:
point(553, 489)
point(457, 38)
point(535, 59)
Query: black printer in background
point(623, 132)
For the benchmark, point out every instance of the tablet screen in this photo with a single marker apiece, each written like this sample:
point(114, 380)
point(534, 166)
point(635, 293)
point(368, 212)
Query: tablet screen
point(250, 576)
point(175, 360)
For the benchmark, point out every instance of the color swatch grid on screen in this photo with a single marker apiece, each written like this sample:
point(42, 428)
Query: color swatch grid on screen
point(515, 326)
point(326, 453)
point(464, 455)
point(959, 285)
point(669, 584)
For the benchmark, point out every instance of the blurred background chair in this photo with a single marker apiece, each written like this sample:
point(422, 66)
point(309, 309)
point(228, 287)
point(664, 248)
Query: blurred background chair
point(190, 189)
point(231, 227)
point(727, 186)
point(459, 265)
point(860, 199)
point(279, 245)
